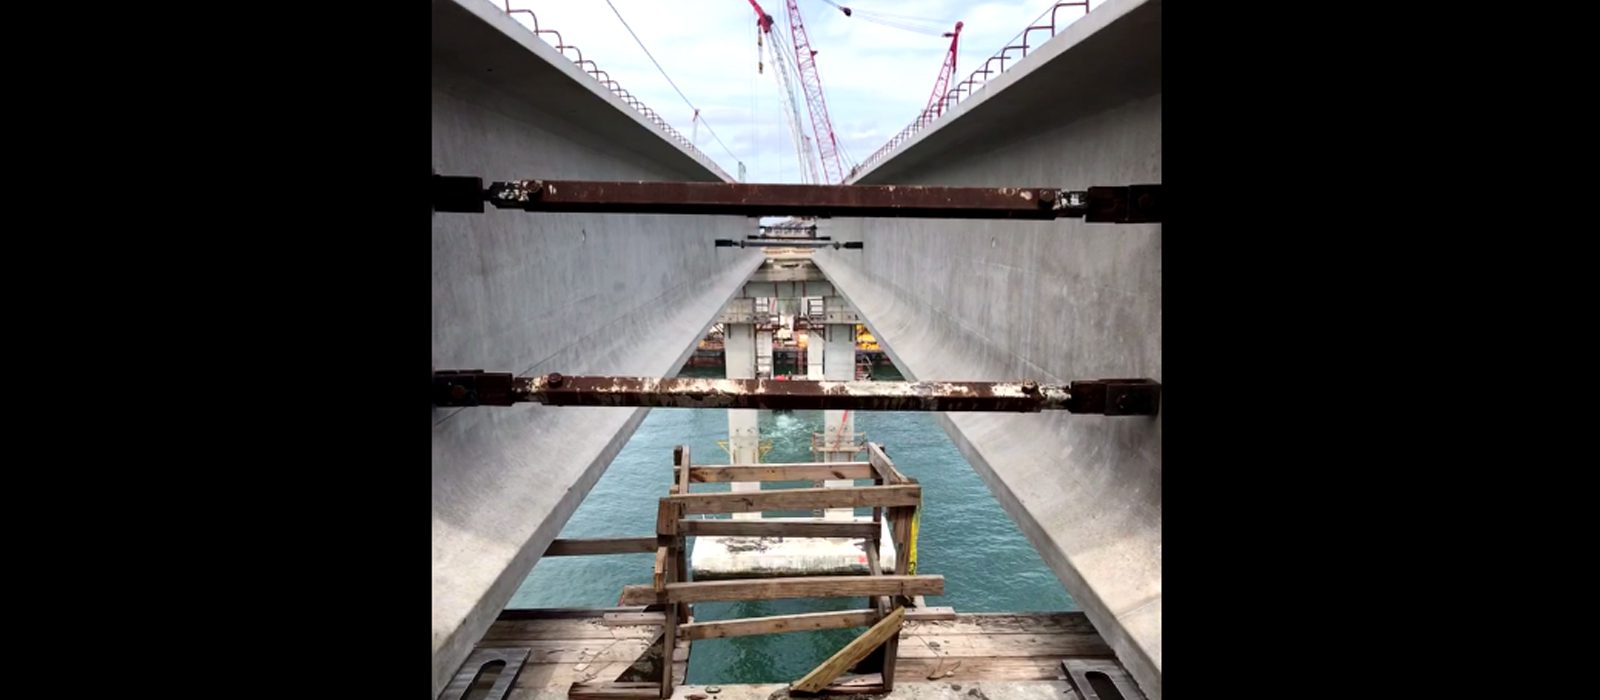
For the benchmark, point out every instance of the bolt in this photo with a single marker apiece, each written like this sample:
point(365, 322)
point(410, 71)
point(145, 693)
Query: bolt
point(1123, 401)
point(554, 380)
point(1030, 387)
point(458, 392)
point(1146, 202)
point(1047, 196)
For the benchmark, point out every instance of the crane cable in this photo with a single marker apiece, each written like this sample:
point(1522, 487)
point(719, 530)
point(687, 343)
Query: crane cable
point(669, 80)
point(915, 25)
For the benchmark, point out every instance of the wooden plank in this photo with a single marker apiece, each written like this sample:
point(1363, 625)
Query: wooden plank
point(1005, 623)
point(661, 569)
point(806, 471)
point(778, 623)
point(667, 516)
point(936, 613)
point(869, 684)
point(787, 587)
point(776, 528)
point(670, 636)
point(680, 572)
point(605, 545)
point(918, 646)
point(633, 619)
point(563, 675)
point(900, 529)
point(963, 669)
point(612, 690)
point(853, 652)
point(882, 465)
point(799, 499)
point(681, 460)
point(566, 629)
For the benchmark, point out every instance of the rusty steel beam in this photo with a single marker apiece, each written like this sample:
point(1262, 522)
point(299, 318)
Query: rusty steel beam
point(1133, 204)
point(1111, 397)
point(789, 243)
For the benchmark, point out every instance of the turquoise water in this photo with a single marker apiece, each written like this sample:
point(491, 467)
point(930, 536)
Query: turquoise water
point(987, 564)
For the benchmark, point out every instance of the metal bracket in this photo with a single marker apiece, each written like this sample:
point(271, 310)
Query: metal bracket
point(473, 387)
point(465, 678)
point(1117, 684)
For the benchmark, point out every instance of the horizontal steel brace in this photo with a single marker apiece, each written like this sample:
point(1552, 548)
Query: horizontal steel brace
point(1111, 397)
point(793, 243)
point(1130, 204)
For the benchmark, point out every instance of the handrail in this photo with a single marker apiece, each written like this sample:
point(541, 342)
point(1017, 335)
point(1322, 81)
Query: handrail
point(966, 87)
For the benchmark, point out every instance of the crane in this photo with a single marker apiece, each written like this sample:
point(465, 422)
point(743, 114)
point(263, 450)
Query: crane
point(833, 170)
point(791, 113)
point(936, 100)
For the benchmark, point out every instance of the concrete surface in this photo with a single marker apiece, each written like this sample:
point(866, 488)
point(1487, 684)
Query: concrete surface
point(533, 293)
point(746, 557)
point(1051, 301)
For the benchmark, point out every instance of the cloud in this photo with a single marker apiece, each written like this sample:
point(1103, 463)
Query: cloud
point(876, 78)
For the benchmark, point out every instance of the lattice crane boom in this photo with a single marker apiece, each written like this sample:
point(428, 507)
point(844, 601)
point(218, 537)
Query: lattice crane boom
point(936, 100)
point(811, 84)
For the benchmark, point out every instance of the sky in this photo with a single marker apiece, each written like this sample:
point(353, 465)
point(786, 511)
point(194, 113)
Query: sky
point(875, 78)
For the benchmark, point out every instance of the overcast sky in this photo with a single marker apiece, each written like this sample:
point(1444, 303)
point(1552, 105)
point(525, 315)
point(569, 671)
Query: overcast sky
point(876, 78)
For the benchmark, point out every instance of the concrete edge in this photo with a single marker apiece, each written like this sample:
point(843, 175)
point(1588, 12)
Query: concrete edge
point(457, 645)
point(1109, 624)
point(1074, 34)
point(492, 15)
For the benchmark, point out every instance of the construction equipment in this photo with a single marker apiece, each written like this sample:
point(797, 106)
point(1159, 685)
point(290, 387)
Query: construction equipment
point(805, 68)
point(936, 100)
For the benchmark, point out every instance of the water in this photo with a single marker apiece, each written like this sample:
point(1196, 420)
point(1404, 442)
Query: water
point(987, 564)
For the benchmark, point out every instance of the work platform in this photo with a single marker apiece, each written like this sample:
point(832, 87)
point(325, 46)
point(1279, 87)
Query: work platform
point(908, 648)
point(942, 654)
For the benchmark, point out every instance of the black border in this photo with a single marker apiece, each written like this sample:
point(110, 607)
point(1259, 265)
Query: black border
point(301, 247)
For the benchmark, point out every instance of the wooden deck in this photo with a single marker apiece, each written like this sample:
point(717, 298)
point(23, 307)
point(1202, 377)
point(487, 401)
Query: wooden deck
point(996, 647)
point(582, 647)
point(619, 653)
point(601, 646)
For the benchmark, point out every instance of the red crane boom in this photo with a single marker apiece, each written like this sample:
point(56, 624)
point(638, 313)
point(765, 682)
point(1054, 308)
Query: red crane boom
point(936, 100)
point(833, 170)
point(811, 85)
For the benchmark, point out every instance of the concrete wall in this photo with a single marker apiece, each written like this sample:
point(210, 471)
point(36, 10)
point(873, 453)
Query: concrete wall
point(535, 293)
point(1051, 301)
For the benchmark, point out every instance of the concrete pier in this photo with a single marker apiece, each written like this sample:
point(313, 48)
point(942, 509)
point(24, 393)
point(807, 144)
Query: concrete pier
point(748, 557)
point(744, 428)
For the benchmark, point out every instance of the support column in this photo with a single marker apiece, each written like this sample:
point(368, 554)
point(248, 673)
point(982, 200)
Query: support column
point(839, 364)
point(763, 354)
point(744, 429)
point(816, 347)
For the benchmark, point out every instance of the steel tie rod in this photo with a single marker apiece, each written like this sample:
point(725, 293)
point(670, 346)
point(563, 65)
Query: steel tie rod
point(1110, 397)
point(1132, 204)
